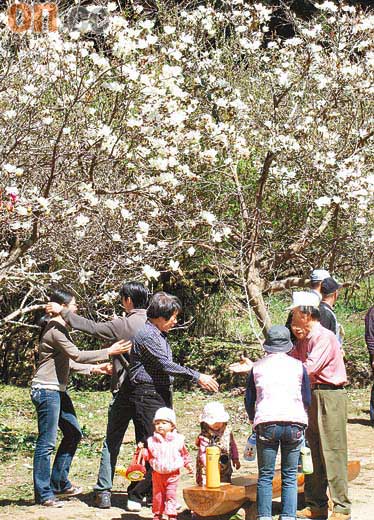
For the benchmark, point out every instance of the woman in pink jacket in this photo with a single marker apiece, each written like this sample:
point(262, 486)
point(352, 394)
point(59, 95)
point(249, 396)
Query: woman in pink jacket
point(277, 398)
point(167, 454)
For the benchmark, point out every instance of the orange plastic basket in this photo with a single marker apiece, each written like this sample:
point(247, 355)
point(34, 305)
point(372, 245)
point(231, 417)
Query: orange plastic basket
point(136, 471)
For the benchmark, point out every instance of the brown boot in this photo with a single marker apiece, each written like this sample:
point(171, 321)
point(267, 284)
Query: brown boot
point(340, 516)
point(313, 513)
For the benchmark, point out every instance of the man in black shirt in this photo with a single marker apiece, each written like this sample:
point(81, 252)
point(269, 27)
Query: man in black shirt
point(330, 290)
point(369, 338)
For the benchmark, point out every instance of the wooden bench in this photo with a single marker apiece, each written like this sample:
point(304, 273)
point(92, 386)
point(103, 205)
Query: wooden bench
point(230, 497)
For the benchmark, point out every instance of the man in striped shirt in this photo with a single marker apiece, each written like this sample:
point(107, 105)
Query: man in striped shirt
point(319, 350)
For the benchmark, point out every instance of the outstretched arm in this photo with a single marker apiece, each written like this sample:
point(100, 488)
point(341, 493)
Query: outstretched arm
point(106, 330)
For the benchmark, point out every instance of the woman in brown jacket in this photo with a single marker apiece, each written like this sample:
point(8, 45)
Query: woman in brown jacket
point(54, 408)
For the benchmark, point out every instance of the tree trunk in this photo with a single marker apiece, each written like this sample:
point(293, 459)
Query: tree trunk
point(257, 304)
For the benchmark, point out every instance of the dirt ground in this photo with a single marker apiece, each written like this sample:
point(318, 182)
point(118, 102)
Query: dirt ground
point(361, 442)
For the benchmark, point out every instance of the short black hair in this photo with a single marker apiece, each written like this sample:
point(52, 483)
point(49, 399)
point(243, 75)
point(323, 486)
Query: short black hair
point(138, 293)
point(312, 311)
point(61, 296)
point(58, 296)
point(163, 305)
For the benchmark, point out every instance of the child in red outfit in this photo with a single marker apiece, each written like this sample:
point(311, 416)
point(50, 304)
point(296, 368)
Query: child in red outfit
point(166, 454)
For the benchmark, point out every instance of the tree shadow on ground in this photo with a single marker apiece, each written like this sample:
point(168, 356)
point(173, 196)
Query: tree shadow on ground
point(359, 420)
point(118, 499)
point(248, 508)
point(20, 502)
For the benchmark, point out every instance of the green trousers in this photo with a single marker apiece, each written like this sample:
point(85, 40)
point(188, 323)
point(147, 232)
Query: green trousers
point(327, 438)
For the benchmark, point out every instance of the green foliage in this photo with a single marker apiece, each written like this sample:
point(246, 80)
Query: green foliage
point(218, 330)
point(15, 441)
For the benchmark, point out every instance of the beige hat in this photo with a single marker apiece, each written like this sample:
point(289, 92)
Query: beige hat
point(214, 412)
point(165, 414)
point(304, 299)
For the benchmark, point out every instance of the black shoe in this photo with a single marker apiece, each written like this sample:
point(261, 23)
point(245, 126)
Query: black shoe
point(102, 500)
point(147, 501)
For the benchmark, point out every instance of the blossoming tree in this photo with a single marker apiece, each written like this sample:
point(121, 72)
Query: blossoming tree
point(196, 138)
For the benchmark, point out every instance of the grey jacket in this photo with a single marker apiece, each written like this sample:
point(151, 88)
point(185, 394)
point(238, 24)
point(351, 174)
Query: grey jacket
point(124, 327)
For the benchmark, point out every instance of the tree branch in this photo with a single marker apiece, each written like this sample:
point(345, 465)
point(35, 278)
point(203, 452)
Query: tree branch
point(21, 312)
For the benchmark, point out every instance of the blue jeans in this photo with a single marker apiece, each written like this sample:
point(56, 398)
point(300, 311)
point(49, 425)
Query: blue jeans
point(54, 409)
point(372, 404)
point(290, 438)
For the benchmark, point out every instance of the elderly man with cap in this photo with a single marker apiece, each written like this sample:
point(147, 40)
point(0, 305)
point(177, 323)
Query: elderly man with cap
point(330, 289)
point(320, 352)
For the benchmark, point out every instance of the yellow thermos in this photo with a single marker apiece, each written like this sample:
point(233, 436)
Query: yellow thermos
point(213, 479)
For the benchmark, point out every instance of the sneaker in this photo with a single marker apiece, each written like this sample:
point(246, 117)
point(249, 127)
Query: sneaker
point(147, 501)
point(133, 506)
point(340, 516)
point(313, 513)
point(71, 492)
point(52, 502)
point(102, 500)
point(239, 515)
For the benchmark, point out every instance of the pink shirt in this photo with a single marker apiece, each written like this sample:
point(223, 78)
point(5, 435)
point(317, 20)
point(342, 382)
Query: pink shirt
point(321, 354)
point(167, 454)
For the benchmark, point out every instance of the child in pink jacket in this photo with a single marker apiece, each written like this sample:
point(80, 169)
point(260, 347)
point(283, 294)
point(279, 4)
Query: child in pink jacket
point(167, 454)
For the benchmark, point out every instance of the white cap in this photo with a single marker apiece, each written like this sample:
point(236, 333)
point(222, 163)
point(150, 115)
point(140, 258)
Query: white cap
point(318, 275)
point(214, 412)
point(304, 299)
point(165, 414)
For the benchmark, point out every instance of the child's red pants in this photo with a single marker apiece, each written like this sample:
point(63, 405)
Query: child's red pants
point(165, 493)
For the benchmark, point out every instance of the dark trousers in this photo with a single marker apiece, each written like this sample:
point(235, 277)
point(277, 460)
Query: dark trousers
point(120, 413)
point(372, 404)
point(139, 404)
point(146, 400)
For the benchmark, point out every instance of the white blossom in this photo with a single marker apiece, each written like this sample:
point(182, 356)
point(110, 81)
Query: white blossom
point(150, 272)
point(144, 227)
point(322, 201)
point(81, 221)
point(169, 29)
point(112, 204)
point(208, 217)
point(174, 265)
point(84, 276)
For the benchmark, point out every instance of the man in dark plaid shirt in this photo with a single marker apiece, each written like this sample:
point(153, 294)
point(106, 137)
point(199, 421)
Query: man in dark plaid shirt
point(151, 372)
point(151, 359)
